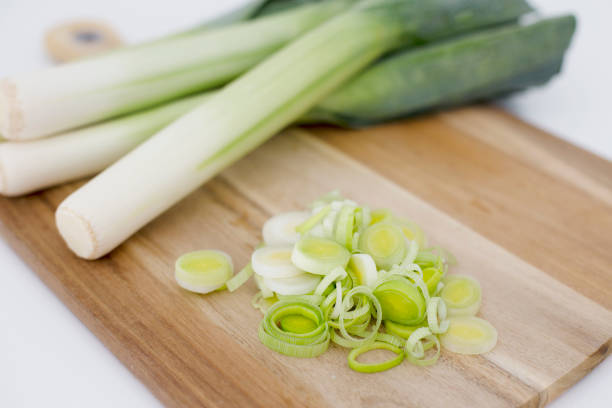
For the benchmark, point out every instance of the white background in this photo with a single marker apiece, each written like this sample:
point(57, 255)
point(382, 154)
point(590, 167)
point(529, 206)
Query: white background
point(48, 358)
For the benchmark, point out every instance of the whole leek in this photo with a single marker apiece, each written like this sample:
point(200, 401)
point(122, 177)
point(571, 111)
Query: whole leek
point(38, 104)
point(126, 196)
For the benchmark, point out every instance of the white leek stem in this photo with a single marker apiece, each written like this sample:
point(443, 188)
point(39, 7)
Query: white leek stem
point(32, 165)
point(57, 99)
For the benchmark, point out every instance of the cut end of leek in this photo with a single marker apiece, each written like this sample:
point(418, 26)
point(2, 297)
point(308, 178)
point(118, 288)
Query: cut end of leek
point(402, 330)
point(401, 302)
point(469, 335)
point(462, 295)
point(281, 229)
point(385, 242)
point(77, 232)
point(203, 271)
point(319, 255)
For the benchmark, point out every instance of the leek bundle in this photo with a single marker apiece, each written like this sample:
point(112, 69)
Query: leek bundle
point(177, 160)
point(505, 59)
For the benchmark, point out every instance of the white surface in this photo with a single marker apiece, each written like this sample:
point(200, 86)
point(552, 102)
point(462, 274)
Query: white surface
point(48, 358)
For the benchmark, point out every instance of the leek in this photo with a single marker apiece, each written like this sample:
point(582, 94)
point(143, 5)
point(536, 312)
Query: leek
point(36, 165)
point(203, 271)
point(469, 335)
point(179, 159)
point(38, 104)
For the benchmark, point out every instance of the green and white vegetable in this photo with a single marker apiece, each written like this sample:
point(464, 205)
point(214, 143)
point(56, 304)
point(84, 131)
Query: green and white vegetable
point(319, 255)
point(281, 229)
point(87, 152)
point(462, 295)
point(288, 84)
point(296, 285)
point(274, 262)
point(469, 335)
point(56, 99)
point(29, 166)
point(203, 271)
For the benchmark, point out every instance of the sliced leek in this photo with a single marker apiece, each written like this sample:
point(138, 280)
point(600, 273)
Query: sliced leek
point(462, 295)
point(265, 291)
point(274, 262)
point(302, 284)
point(469, 335)
point(385, 242)
point(402, 330)
point(203, 271)
point(311, 338)
point(416, 348)
point(281, 229)
point(240, 278)
point(401, 301)
point(375, 367)
point(319, 255)
point(363, 268)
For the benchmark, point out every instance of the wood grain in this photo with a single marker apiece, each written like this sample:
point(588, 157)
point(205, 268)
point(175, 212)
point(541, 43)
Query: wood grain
point(535, 235)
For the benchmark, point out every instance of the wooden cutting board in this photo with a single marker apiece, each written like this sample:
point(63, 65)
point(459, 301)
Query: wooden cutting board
point(527, 214)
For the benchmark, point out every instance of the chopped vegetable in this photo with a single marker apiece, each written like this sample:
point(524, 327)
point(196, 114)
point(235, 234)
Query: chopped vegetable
point(203, 271)
point(296, 344)
point(375, 367)
point(462, 295)
point(319, 255)
point(274, 262)
point(281, 229)
point(363, 268)
point(297, 285)
point(469, 335)
point(385, 242)
point(401, 301)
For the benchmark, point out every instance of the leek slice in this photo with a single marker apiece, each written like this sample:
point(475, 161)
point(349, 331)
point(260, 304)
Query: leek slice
point(431, 277)
point(469, 335)
point(240, 278)
point(203, 271)
point(462, 295)
point(266, 292)
point(385, 243)
point(319, 255)
point(363, 268)
point(411, 231)
point(391, 339)
point(302, 284)
point(370, 336)
point(281, 229)
point(401, 301)
point(314, 220)
point(402, 330)
point(374, 367)
point(436, 315)
point(294, 314)
point(345, 224)
point(274, 262)
point(381, 215)
point(335, 275)
point(416, 347)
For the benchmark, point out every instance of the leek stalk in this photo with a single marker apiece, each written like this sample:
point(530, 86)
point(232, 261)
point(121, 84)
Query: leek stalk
point(37, 104)
point(179, 159)
point(40, 164)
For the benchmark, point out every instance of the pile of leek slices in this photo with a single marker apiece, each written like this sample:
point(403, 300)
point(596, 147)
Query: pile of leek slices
point(362, 279)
